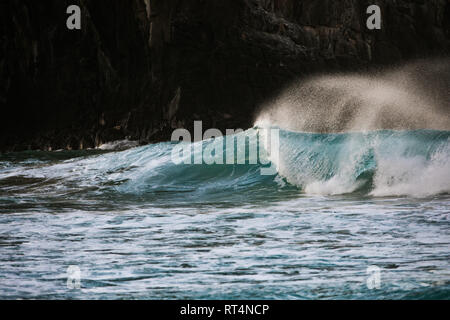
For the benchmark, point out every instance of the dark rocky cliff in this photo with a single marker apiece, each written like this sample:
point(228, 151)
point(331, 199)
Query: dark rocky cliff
point(140, 68)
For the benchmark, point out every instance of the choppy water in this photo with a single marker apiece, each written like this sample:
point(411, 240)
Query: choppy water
point(139, 226)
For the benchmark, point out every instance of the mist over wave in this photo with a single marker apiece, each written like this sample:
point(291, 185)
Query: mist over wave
point(381, 134)
point(413, 96)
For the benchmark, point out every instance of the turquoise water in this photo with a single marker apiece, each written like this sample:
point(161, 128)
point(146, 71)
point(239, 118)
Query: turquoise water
point(141, 227)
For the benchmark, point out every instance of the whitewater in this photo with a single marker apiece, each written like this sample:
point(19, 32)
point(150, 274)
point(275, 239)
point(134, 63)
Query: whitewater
point(343, 199)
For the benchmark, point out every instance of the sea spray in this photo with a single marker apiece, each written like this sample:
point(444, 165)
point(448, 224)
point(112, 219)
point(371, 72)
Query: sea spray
point(382, 134)
point(414, 96)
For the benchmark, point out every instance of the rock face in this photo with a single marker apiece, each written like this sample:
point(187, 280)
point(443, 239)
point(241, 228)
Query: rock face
point(140, 68)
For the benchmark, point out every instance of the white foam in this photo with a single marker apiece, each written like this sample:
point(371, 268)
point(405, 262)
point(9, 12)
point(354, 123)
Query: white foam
point(413, 176)
point(118, 145)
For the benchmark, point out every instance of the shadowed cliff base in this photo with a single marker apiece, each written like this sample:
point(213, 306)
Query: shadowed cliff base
point(139, 69)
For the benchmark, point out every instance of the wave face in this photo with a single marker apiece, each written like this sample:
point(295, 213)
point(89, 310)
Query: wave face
point(380, 163)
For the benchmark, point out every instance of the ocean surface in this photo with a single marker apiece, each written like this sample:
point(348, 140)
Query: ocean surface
point(139, 226)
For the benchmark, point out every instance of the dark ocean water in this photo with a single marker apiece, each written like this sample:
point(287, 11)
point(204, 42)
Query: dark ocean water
point(139, 226)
